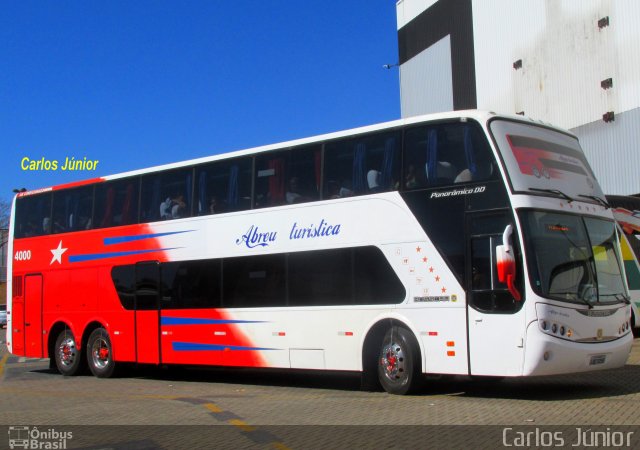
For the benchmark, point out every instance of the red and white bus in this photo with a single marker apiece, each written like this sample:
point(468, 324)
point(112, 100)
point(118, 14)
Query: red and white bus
point(419, 246)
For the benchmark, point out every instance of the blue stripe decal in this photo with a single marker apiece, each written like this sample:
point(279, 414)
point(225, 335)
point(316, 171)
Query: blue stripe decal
point(94, 256)
point(195, 346)
point(139, 237)
point(197, 321)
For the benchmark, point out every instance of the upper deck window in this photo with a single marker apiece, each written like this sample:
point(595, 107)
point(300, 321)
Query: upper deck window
point(445, 154)
point(33, 215)
point(363, 165)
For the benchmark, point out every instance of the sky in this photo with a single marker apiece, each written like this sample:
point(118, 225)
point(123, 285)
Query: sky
point(137, 84)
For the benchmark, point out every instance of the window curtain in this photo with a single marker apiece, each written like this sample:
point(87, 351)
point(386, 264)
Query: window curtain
point(359, 175)
point(432, 155)
point(389, 157)
point(276, 181)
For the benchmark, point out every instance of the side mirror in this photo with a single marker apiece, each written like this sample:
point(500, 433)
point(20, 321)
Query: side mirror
point(506, 263)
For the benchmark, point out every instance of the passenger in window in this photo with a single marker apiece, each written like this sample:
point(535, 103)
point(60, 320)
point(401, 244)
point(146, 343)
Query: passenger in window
point(165, 209)
point(178, 207)
point(410, 181)
point(295, 192)
point(216, 206)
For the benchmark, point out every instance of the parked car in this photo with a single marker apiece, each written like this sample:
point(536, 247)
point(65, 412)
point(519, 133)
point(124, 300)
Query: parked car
point(3, 316)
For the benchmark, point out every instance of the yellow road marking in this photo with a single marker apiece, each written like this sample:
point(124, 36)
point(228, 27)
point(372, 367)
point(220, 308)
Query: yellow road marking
point(244, 426)
point(2, 362)
point(212, 407)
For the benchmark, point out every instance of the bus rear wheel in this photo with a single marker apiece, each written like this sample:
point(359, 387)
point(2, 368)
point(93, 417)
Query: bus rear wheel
point(100, 354)
point(66, 354)
point(399, 362)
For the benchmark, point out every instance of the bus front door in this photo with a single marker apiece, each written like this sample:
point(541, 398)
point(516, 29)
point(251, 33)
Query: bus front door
point(495, 318)
point(147, 312)
point(33, 316)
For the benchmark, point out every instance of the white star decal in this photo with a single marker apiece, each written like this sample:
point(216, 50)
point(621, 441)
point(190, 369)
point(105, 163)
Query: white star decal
point(57, 253)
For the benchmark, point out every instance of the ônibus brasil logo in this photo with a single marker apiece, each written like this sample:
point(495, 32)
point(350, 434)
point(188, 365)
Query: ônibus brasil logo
point(33, 438)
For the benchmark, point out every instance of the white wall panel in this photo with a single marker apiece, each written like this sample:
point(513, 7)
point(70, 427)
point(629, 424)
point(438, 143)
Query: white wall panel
point(425, 81)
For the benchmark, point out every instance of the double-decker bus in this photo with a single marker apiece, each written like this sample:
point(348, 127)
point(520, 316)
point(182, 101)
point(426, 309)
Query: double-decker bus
point(626, 211)
point(419, 246)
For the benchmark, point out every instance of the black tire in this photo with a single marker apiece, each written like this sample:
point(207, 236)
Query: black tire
point(67, 356)
point(100, 354)
point(399, 362)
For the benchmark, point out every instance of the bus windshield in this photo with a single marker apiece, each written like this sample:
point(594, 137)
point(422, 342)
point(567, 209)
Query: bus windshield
point(542, 160)
point(573, 258)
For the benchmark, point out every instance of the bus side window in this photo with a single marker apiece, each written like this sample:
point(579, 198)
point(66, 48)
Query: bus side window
point(72, 209)
point(444, 154)
point(191, 284)
point(288, 177)
point(166, 195)
point(33, 215)
point(223, 186)
point(365, 165)
point(116, 203)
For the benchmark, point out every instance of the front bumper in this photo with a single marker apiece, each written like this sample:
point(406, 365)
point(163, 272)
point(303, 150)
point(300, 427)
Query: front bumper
point(548, 355)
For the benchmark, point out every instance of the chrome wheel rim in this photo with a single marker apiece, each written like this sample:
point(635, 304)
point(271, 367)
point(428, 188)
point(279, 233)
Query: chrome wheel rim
point(67, 352)
point(100, 354)
point(392, 361)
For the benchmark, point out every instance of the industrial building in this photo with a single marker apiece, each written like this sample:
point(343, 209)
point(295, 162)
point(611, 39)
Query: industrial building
point(574, 64)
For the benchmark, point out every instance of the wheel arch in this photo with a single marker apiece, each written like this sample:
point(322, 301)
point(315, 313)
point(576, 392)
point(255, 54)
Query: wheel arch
point(54, 331)
point(371, 345)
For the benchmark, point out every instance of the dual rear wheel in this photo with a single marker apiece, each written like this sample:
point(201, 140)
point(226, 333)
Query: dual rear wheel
point(99, 354)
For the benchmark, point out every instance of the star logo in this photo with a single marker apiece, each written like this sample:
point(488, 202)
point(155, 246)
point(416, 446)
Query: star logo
point(57, 253)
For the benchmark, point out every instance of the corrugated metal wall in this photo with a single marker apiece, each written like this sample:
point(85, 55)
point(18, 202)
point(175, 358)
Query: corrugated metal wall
point(613, 150)
point(425, 81)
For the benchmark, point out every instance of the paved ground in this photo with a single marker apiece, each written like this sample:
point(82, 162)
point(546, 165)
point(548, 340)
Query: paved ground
point(152, 408)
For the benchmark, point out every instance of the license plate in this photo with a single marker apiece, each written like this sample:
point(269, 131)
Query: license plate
point(597, 359)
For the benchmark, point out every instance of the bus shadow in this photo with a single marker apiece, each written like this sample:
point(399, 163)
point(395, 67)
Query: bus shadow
point(349, 381)
point(607, 383)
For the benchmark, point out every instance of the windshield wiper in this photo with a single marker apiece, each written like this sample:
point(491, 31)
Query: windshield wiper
point(553, 191)
point(620, 297)
point(598, 199)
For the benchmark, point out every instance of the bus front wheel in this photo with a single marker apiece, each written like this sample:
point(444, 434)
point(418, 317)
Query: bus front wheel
point(67, 356)
point(100, 354)
point(399, 362)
